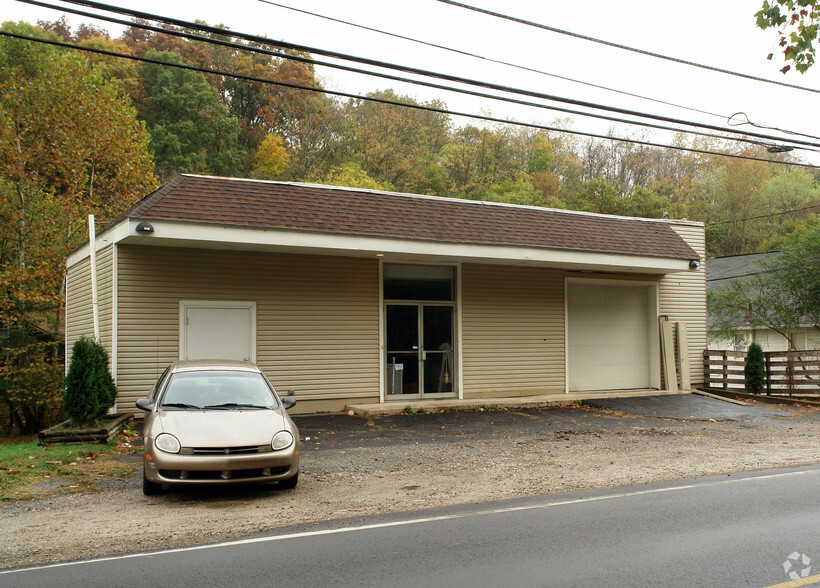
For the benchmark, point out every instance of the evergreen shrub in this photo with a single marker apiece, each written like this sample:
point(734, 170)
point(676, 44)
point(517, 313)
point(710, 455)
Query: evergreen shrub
point(755, 370)
point(89, 388)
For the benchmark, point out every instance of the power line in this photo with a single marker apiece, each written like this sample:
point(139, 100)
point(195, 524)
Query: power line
point(624, 47)
point(261, 50)
point(759, 126)
point(416, 71)
point(740, 220)
point(489, 59)
point(393, 102)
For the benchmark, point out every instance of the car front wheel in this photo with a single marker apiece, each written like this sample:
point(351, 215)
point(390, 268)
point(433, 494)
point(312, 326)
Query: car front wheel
point(150, 488)
point(290, 483)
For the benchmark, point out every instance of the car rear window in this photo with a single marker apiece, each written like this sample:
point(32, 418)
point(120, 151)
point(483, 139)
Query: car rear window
point(218, 390)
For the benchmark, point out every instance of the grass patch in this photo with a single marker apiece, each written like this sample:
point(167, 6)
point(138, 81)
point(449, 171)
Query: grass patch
point(28, 469)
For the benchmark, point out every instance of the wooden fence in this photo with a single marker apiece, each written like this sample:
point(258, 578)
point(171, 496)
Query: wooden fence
point(796, 373)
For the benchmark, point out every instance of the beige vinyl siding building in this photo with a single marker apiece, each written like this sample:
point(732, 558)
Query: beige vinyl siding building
point(78, 298)
point(683, 298)
point(513, 331)
point(349, 296)
point(317, 317)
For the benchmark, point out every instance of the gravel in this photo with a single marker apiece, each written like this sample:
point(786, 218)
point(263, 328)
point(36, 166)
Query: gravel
point(353, 466)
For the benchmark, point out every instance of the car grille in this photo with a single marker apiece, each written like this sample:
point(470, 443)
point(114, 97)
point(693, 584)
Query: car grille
point(226, 450)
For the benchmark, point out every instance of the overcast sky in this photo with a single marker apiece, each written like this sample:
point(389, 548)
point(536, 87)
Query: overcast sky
point(721, 34)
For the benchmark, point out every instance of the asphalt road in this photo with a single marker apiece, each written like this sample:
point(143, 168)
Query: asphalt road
point(743, 530)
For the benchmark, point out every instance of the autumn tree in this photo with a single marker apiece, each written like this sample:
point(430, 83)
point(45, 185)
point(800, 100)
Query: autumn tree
point(250, 102)
point(736, 209)
point(272, 160)
point(310, 123)
point(350, 174)
point(797, 23)
point(395, 144)
point(541, 167)
point(70, 145)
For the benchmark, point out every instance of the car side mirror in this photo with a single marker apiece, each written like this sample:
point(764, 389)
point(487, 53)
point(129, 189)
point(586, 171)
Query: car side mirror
point(289, 402)
point(145, 404)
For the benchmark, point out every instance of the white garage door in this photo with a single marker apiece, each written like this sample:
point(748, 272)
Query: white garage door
point(608, 337)
point(218, 330)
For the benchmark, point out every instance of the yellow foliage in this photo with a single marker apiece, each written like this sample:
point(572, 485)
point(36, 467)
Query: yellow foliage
point(272, 160)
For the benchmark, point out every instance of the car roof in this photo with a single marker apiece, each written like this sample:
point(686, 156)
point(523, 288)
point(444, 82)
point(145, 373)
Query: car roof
point(214, 364)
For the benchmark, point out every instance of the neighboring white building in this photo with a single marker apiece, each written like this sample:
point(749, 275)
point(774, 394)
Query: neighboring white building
point(721, 270)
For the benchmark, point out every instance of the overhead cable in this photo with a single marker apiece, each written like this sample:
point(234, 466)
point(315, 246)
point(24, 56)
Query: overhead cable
point(624, 47)
point(420, 107)
point(740, 220)
point(490, 59)
point(759, 126)
point(223, 43)
point(413, 70)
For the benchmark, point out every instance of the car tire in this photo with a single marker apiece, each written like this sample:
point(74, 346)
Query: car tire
point(290, 483)
point(150, 488)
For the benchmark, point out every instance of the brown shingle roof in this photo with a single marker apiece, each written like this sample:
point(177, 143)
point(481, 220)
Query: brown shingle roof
point(346, 211)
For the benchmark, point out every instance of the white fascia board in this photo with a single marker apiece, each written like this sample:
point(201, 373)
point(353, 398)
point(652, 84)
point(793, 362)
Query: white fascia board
point(111, 235)
point(196, 235)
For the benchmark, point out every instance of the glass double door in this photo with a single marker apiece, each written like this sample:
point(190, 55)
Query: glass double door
point(419, 347)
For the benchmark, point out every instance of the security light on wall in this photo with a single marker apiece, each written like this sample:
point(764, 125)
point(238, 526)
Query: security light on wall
point(145, 228)
point(694, 264)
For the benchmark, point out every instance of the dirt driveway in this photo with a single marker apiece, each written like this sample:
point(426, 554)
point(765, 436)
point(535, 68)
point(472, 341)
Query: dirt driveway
point(354, 466)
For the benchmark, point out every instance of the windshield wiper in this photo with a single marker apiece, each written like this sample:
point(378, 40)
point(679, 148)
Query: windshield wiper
point(179, 405)
point(235, 405)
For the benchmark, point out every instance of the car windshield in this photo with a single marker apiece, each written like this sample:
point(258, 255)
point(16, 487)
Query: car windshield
point(217, 390)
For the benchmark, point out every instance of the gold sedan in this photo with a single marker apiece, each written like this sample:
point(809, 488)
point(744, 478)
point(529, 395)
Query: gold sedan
point(220, 422)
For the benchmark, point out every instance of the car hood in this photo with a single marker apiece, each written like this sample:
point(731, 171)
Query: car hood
point(221, 428)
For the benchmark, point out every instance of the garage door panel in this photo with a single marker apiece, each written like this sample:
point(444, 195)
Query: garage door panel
point(584, 334)
point(608, 336)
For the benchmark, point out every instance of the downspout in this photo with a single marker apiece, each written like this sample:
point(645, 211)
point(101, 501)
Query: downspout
point(95, 303)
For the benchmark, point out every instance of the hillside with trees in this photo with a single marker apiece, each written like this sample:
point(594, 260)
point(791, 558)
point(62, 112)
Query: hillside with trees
point(93, 132)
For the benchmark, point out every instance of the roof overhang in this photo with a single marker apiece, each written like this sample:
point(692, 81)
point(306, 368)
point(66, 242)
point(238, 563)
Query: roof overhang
point(207, 236)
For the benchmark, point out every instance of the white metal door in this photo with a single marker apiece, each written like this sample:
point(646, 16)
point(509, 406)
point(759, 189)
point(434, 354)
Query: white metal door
point(218, 331)
point(608, 337)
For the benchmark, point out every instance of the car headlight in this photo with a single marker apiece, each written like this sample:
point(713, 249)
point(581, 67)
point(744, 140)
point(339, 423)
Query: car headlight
point(167, 443)
point(282, 440)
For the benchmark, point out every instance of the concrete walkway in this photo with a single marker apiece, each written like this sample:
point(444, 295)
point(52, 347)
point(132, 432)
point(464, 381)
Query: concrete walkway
point(398, 406)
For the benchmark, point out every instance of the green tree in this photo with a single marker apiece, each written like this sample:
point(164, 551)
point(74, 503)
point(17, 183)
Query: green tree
point(512, 192)
point(31, 381)
point(787, 190)
point(191, 131)
point(800, 272)
point(783, 295)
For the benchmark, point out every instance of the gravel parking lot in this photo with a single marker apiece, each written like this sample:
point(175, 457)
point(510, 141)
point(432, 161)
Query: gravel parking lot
point(353, 466)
